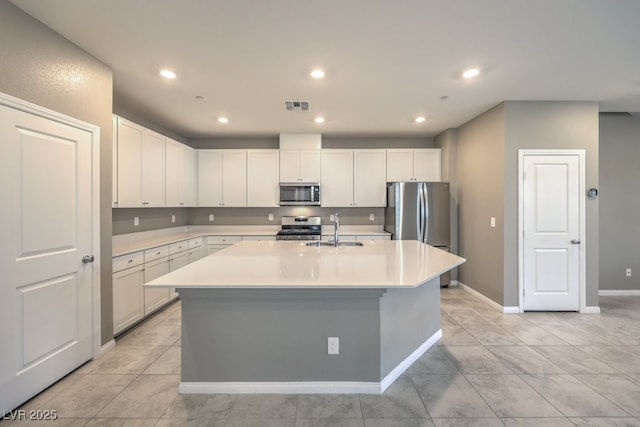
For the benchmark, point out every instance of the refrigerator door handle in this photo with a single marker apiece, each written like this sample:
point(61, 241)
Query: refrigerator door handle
point(425, 213)
point(420, 213)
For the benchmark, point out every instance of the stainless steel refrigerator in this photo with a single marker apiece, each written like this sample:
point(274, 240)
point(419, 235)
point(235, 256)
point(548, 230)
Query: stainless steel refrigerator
point(419, 211)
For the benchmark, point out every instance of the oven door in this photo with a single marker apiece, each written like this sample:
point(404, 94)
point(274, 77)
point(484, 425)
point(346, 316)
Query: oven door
point(296, 194)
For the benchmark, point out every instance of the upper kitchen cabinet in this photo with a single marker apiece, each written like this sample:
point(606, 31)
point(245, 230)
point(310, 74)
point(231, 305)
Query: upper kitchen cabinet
point(299, 165)
point(180, 174)
point(413, 165)
point(353, 178)
point(222, 178)
point(263, 182)
point(139, 166)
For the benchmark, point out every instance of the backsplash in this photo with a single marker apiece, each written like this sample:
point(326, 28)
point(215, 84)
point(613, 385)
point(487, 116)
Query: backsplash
point(155, 218)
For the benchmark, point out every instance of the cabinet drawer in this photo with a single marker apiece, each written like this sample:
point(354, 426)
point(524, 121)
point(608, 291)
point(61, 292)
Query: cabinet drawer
point(174, 248)
point(195, 243)
point(156, 253)
point(126, 261)
point(259, 238)
point(223, 240)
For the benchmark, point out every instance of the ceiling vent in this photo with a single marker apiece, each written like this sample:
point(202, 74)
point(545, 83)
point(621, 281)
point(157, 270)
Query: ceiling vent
point(296, 105)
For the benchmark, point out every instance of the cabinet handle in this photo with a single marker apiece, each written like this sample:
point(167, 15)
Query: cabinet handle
point(181, 203)
point(130, 261)
point(157, 253)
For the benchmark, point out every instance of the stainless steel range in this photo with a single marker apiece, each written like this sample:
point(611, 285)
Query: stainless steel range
point(300, 228)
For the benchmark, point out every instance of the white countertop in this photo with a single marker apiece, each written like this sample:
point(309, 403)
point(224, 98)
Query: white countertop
point(123, 244)
point(285, 264)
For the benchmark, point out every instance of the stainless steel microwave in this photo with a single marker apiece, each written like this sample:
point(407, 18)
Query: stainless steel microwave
point(299, 194)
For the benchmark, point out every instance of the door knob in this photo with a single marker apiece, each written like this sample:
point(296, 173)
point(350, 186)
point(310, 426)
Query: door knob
point(87, 259)
point(575, 242)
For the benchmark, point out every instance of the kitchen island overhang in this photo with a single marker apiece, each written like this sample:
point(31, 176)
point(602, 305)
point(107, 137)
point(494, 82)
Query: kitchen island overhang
point(256, 316)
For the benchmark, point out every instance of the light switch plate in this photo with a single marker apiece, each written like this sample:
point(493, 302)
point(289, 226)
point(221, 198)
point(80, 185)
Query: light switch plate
point(493, 222)
point(211, 217)
point(333, 345)
point(173, 218)
point(136, 221)
point(270, 217)
point(372, 217)
point(331, 217)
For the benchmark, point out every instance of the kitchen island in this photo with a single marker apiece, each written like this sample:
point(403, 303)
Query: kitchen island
point(257, 317)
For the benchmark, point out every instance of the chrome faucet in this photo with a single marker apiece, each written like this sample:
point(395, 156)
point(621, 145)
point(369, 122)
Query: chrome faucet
point(336, 222)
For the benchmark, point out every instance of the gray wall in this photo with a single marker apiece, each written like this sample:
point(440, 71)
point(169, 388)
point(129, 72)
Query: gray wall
point(549, 125)
point(34, 62)
point(149, 219)
point(619, 201)
point(448, 144)
point(480, 195)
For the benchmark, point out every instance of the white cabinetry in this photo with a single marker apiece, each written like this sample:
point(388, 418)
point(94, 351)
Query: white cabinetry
point(263, 183)
point(128, 298)
point(299, 165)
point(156, 264)
point(180, 174)
point(196, 249)
point(413, 165)
point(353, 178)
point(222, 178)
point(218, 243)
point(139, 166)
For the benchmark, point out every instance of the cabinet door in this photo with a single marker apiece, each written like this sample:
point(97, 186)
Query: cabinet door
point(128, 299)
point(369, 178)
point(399, 165)
point(155, 298)
point(263, 182)
point(290, 166)
point(337, 178)
point(114, 166)
point(177, 261)
point(188, 182)
point(209, 178)
point(426, 164)
point(130, 137)
point(173, 173)
point(310, 166)
point(234, 178)
point(153, 146)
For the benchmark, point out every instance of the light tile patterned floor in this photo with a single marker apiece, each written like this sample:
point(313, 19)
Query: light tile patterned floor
point(489, 369)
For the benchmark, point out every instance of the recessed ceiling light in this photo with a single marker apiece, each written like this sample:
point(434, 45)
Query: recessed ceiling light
point(420, 119)
point(168, 74)
point(470, 73)
point(223, 120)
point(317, 73)
point(319, 120)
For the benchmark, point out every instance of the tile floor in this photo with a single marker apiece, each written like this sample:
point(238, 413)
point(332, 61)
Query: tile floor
point(489, 369)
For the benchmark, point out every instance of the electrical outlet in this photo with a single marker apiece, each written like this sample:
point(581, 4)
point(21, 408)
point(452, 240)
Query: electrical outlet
point(173, 218)
point(211, 217)
point(136, 221)
point(628, 272)
point(372, 217)
point(493, 222)
point(333, 345)
point(331, 217)
point(270, 217)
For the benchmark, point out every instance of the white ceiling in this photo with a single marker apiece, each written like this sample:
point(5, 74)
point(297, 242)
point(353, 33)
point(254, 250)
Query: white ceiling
point(386, 61)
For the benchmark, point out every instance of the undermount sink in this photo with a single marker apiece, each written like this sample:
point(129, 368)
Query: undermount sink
point(332, 244)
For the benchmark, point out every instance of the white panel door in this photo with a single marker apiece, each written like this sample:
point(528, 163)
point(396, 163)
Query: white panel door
point(263, 178)
point(370, 178)
point(337, 178)
point(46, 227)
point(551, 228)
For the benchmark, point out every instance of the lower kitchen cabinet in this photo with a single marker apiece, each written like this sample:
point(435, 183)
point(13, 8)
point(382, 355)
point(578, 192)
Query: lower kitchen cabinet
point(218, 243)
point(195, 249)
point(176, 261)
point(128, 296)
point(154, 298)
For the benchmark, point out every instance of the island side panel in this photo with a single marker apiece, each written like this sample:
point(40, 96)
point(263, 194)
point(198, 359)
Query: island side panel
point(279, 335)
point(408, 318)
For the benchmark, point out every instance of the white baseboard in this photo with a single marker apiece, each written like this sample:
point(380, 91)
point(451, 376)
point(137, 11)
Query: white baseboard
point(593, 309)
point(619, 293)
point(311, 387)
point(511, 310)
point(404, 365)
point(482, 297)
point(110, 345)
